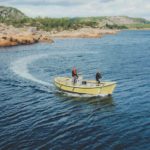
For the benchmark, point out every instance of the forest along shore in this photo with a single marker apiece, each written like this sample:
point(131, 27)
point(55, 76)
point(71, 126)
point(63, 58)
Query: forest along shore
point(11, 36)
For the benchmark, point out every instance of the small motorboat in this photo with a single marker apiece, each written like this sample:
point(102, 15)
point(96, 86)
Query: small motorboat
point(89, 87)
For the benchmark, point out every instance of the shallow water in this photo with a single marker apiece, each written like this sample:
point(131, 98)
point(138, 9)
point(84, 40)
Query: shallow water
point(34, 115)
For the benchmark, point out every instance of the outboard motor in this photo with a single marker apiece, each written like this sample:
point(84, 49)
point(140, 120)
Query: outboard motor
point(84, 82)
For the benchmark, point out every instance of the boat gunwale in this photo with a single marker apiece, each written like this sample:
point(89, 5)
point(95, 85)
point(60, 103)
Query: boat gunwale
point(82, 93)
point(84, 86)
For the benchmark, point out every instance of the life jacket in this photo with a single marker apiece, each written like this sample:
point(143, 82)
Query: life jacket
point(74, 72)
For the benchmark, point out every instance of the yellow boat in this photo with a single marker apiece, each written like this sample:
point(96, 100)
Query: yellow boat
point(89, 87)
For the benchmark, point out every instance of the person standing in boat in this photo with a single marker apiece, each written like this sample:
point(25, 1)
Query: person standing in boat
point(74, 75)
point(98, 77)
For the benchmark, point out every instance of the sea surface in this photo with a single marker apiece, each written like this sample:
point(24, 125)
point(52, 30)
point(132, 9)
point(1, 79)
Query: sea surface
point(34, 115)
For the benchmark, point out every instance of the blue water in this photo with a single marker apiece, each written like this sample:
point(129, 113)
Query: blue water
point(34, 115)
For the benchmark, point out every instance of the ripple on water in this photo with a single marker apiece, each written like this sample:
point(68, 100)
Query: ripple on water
point(34, 115)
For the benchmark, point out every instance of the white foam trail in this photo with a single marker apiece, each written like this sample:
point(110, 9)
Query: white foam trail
point(20, 67)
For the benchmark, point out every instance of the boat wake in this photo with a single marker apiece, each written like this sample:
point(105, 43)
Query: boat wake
point(20, 67)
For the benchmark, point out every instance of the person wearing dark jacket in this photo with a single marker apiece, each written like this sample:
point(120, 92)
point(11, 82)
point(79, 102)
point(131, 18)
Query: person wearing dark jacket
point(98, 77)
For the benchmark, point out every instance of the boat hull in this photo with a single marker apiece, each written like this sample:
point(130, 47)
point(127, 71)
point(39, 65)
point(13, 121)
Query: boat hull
point(91, 88)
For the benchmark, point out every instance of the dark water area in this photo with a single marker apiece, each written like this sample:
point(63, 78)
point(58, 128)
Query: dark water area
point(34, 115)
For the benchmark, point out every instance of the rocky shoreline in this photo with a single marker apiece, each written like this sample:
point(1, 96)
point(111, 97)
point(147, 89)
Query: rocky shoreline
point(11, 36)
point(83, 33)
